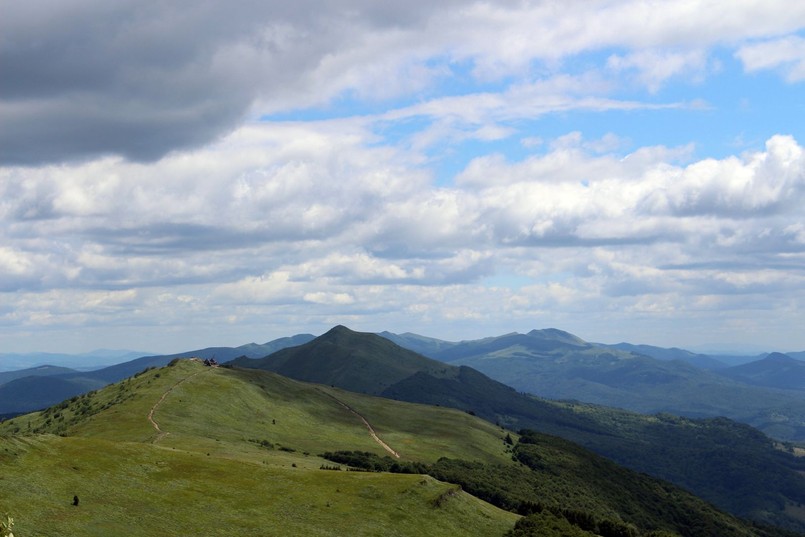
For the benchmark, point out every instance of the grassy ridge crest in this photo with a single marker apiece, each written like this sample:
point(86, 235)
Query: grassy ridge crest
point(236, 451)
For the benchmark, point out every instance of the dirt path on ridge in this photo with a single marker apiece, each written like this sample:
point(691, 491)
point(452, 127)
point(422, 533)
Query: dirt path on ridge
point(160, 433)
point(372, 432)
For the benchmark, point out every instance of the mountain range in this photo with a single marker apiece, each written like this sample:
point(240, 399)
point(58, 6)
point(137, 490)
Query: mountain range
point(768, 394)
point(690, 453)
point(728, 464)
point(186, 449)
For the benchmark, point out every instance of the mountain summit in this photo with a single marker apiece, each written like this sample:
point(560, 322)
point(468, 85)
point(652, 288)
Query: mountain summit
point(355, 361)
point(776, 370)
point(676, 449)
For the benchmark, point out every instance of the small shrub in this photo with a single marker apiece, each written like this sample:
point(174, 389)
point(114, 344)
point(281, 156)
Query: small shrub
point(6, 523)
point(327, 467)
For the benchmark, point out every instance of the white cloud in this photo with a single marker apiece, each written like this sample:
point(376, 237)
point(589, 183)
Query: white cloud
point(329, 298)
point(786, 54)
point(141, 189)
point(283, 215)
point(91, 79)
point(654, 68)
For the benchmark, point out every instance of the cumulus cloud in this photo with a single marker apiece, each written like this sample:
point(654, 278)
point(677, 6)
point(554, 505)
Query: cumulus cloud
point(181, 165)
point(306, 208)
point(84, 79)
point(654, 68)
point(786, 54)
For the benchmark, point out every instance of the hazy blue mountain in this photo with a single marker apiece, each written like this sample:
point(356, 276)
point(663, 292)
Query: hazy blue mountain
point(421, 344)
point(38, 392)
point(537, 340)
point(774, 371)
point(221, 354)
point(738, 359)
point(558, 365)
point(84, 361)
point(41, 371)
point(703, 361)
point(254, 350)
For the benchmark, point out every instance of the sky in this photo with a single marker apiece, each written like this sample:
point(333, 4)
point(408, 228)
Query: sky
point(177, 175)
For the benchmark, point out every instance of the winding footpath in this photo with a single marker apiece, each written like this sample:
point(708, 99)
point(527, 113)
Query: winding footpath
point(160, 433)
point(372, 432)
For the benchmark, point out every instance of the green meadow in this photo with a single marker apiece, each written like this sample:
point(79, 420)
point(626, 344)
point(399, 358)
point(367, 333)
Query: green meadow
point(236, 454)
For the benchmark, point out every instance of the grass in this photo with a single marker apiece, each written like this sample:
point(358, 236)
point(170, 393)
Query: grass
point(240, 459)
point(139, 489)
point(422, 432)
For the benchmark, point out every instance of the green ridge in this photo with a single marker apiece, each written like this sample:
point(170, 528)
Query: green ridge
point(239, 459)
point(238, 453)
point(730, 464)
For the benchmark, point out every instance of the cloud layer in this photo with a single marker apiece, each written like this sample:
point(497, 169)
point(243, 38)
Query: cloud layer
point(254, 170)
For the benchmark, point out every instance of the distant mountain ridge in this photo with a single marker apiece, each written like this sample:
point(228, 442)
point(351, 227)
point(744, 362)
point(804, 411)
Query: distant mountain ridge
point(550, 362)
point(83, 361)
point(675, 449)
point(39, 371)
point(554, 364)
point(776, 370)
point(703, 361)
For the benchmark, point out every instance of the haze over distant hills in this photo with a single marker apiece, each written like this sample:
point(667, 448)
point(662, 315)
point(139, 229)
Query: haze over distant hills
point(768, 393)
point(85, 361)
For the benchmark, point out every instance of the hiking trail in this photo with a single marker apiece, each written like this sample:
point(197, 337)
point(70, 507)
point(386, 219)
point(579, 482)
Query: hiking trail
point(372, 432)
point(160, 433)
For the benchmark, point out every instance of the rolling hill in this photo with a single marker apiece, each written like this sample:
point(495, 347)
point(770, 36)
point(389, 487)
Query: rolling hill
point(729, 464)
point(40, 371)
point(192, 450)
point(235, 453)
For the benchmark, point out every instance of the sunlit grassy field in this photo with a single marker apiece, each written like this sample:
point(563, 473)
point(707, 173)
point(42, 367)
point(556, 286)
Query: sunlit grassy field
point(237, 456)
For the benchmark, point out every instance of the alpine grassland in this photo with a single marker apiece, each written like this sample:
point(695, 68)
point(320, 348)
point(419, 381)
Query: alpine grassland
point(194, 450)
point(229, 452)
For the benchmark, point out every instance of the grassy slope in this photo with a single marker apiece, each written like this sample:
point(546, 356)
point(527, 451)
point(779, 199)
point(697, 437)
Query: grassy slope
point(209, 476)
point(724, 462)
point(137, 489)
